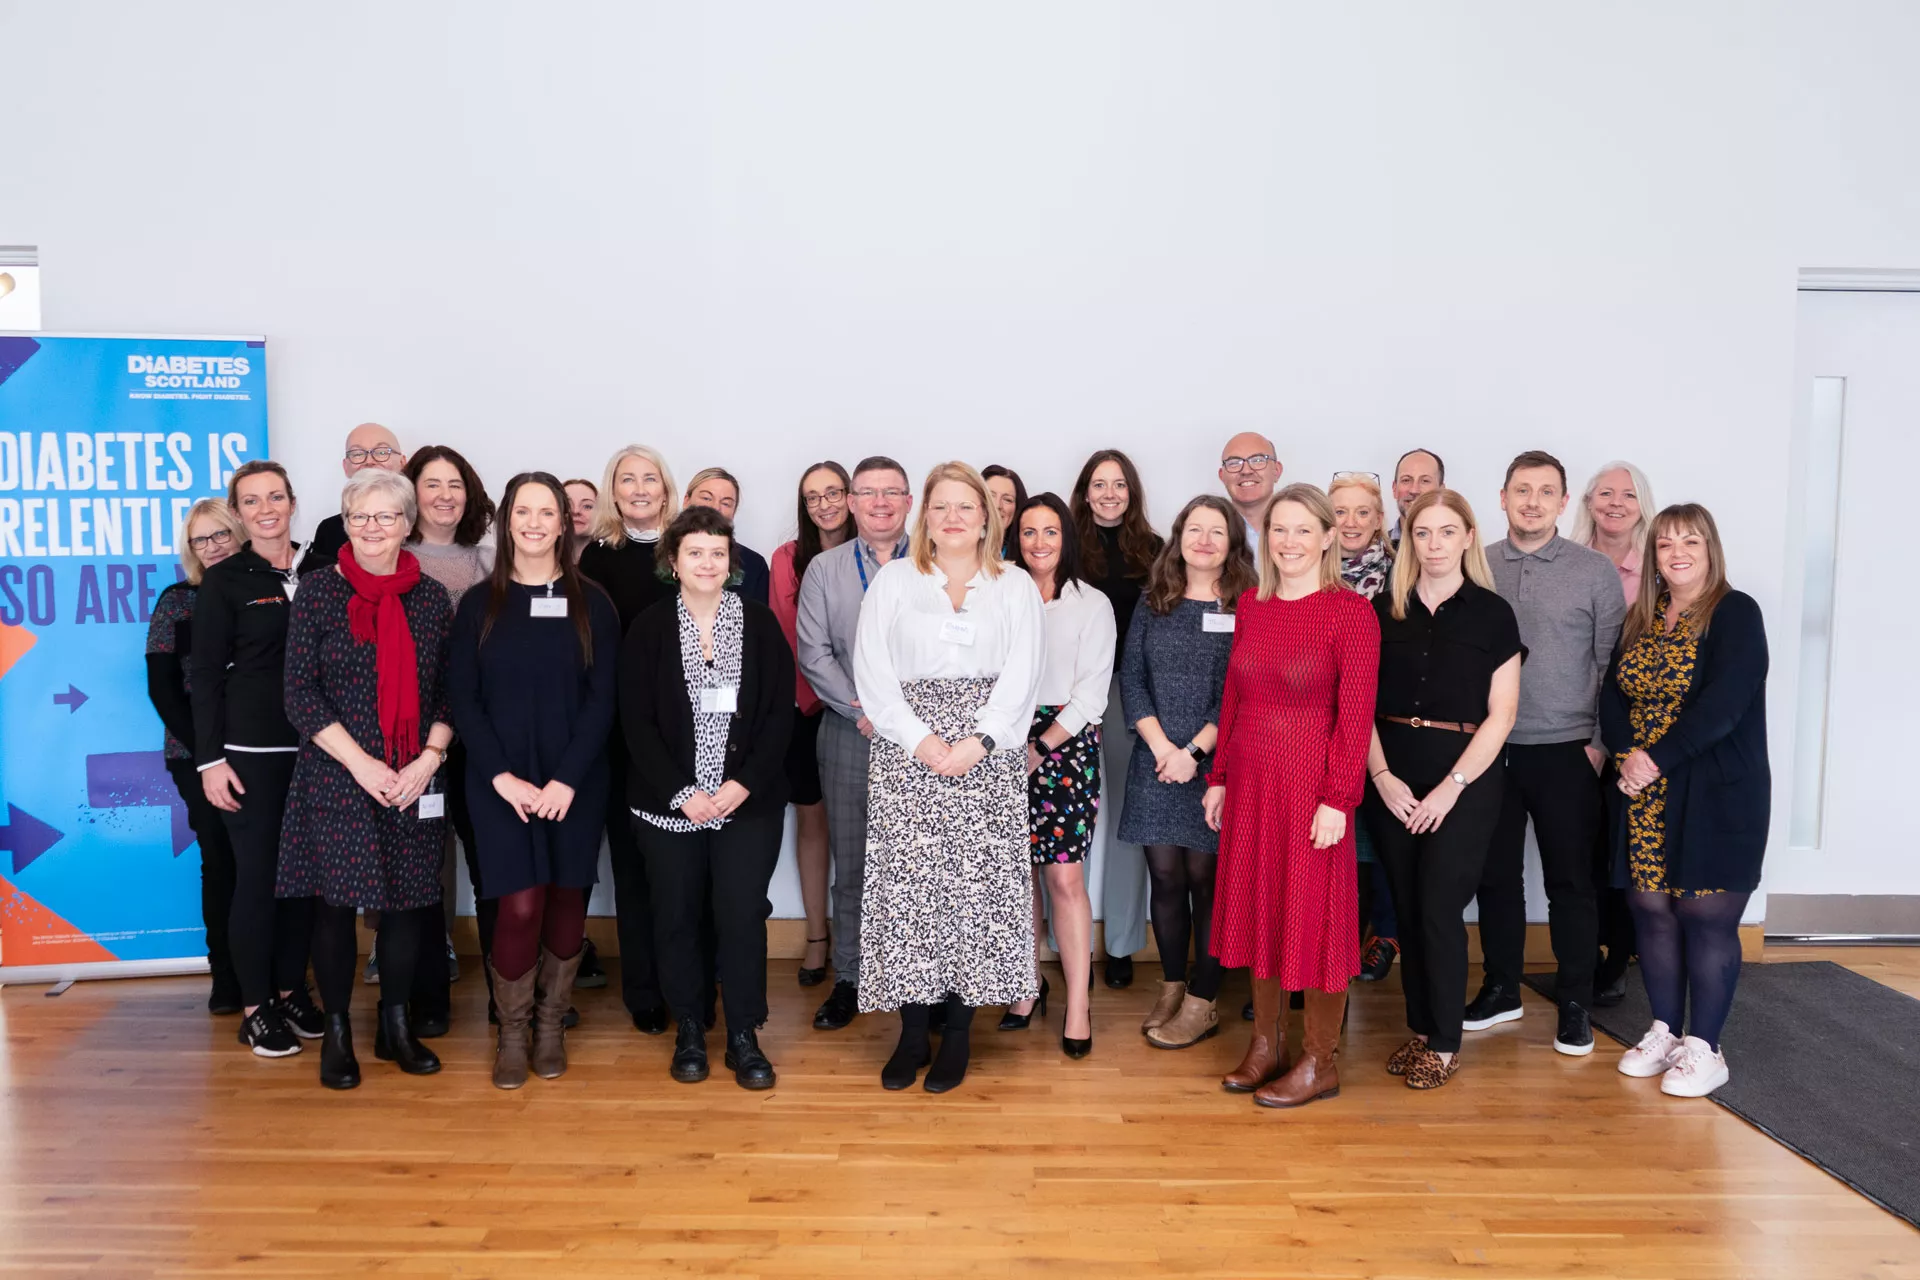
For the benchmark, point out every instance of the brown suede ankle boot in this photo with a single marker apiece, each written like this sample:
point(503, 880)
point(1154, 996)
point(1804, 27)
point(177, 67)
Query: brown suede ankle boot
point(1267, 1049)
point(1171, 993)
point(550, 1011)
point(1315, 1075)
point(514, 1002)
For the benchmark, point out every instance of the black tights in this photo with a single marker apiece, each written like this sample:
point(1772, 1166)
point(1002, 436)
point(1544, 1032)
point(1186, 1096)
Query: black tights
point(1182, 908)
point(397, 944)
point(1690, 957)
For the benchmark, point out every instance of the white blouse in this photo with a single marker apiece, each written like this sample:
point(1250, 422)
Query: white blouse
point(1078, 668)
point(909, 630)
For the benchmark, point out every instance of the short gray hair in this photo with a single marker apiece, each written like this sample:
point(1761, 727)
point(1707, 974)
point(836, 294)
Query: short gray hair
point(374, 482)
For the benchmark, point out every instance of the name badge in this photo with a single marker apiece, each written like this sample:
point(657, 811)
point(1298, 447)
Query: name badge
point(290, 586)
point(956, 631)
point(549, 606)
point(1217, 622)
point(723, 700)
point(433, 804)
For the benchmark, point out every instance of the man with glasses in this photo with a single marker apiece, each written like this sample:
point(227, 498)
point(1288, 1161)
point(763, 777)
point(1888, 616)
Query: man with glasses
point(1249, 470)
point(828, 618)
point(1418, 471)
point(368, 445)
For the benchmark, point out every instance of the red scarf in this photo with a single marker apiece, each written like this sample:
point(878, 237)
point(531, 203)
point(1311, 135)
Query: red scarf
point(377, 617)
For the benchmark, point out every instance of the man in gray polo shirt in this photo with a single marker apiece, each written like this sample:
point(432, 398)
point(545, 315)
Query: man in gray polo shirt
point(828, 617)
point(1568, 602)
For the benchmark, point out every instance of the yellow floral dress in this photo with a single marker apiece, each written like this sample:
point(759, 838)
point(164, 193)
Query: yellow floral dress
point(1655, 674)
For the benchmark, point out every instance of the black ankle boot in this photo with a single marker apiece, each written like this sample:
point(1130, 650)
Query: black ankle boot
point(690, 1052)
point(950, 1064)
point(911, 1053)
point(339, 1069)
point(396, 1043)
point(751, 1070)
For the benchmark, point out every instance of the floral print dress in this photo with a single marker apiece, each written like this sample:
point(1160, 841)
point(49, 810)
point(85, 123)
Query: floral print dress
point(1655, 674)
point(1063, 794)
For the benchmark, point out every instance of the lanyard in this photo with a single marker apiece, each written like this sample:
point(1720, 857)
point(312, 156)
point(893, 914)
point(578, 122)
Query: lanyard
point(860, 560)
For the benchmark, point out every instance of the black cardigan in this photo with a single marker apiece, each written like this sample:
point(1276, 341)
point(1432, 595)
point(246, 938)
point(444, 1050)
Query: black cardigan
point(239, 658)
point(1719, 785)
point(656, 715)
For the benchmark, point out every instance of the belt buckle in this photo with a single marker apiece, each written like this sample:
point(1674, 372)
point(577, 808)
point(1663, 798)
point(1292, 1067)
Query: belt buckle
point(1417, 722)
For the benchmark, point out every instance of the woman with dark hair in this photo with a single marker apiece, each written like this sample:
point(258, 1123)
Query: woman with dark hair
point(1171, 681)
point(1010, 497)
point(535, 656)
point(706, 702)
point(1117, 550)
point(824, 523)
point(1683, 710)
point(1063, 754)
point(719, 488)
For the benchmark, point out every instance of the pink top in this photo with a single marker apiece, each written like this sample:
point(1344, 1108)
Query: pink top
point(785, 601)
point(1629, 571)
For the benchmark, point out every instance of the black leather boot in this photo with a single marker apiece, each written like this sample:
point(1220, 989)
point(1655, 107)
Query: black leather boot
point(396, 1043)
point(956, 1046)
point(751, 1070)
point(911, 1053)
point(690, 1052)
point(339, 1069)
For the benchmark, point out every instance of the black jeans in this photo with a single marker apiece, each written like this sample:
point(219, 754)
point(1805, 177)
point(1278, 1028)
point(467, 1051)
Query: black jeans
point(1555, 785)
point(1433, 876)
point(726, 872)
point(216, 868)
point(270, 936)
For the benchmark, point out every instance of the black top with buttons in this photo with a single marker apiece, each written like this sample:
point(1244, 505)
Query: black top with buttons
point(1439, 665)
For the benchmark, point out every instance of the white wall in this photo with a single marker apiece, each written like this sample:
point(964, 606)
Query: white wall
point(758, 234)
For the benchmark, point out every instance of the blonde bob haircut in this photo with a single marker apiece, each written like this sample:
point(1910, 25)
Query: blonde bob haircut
point(1406, 566)
point(609, 526)
point(1317, 505)
point(220, 511)
point(1371, 487)
point(920, 543)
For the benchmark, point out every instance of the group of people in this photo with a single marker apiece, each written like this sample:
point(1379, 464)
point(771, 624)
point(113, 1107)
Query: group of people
point(1314, 740)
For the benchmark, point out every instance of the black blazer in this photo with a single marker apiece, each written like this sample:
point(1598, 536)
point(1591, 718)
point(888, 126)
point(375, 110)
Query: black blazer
point(1719, 784)
point(657, 717)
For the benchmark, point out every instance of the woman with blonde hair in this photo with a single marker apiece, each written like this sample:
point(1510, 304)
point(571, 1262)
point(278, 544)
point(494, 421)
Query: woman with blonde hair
point(1449, 689)
point(1295, 720)
point(209, 534)
point(1612, 519)
point(947, 662)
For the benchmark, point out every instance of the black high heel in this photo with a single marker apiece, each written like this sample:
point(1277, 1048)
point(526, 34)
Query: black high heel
point(1011, 1021)
point(814, 977)
point(1077, 1048)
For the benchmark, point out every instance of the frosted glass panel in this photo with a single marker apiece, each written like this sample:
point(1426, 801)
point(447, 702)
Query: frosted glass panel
point(1820, 518)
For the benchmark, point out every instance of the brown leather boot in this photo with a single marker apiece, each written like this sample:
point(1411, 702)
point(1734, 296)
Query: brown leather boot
point(1171, 993)
point(1267, 1049)
point(550, 1011)
point(1192, 1022)
point(1315, 1075)
point(514, 1003)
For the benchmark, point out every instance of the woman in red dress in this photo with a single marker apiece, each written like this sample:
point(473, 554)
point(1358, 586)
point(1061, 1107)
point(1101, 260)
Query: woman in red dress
point(1295, 724)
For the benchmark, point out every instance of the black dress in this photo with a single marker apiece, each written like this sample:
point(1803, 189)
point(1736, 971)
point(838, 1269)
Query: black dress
point(525, 703)
point(336, 841)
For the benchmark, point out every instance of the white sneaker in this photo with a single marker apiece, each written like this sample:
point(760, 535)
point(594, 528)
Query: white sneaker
point(1653, 1055)
point(1696, 1071)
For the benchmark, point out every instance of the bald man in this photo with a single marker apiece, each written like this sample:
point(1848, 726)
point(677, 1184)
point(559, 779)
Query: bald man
point(368, 445)
point(1250, 468)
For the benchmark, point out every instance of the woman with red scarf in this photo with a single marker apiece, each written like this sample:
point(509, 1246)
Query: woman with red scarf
point(365, 820)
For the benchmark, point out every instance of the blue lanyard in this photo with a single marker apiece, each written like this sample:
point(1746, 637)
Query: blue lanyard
point(860, 560)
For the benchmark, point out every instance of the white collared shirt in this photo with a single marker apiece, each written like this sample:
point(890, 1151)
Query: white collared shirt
point(1078, 669)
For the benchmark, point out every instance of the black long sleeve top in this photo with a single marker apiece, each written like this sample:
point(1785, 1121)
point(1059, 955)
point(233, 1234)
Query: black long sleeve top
point(238, 663)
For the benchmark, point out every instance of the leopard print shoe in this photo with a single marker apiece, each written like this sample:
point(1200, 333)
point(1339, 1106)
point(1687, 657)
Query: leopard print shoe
point(1405, 1056)
point(1430, 1070)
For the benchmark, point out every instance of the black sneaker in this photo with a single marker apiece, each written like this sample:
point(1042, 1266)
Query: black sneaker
point(1575, 1036)
point(839, 1008)
point(1119, 972)
point(1496, 1003)
point(591, 975)
point(1378, 961)
point(301, 1016)
point(225, 998)
point(266, 1033)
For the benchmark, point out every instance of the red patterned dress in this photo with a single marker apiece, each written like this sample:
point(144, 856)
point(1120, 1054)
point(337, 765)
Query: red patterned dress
point(1295, 723)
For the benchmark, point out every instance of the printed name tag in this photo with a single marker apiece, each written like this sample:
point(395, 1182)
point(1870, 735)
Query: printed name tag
point(956, 631)
point(549, 606)
point(725, 699)
point(1217, 621)
point(433, 804)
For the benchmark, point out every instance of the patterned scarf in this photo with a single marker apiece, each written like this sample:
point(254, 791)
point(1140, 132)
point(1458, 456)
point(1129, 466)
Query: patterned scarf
point(1367, 572)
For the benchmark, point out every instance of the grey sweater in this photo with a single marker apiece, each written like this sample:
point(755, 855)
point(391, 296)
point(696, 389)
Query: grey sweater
point(1568, 603)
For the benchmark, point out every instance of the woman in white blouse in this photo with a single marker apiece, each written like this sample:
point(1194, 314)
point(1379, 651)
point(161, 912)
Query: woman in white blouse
point(1063, 753)
point(947, 662)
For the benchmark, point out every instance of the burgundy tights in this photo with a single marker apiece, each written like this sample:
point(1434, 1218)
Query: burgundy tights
point(544, 913)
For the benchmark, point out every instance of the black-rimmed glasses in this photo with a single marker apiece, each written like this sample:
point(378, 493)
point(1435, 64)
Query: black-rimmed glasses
point(1258, 461)
point(218, 538)
point(379, 453)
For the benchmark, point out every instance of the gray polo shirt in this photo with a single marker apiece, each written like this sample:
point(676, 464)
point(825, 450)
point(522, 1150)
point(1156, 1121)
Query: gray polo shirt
point(828, 616)
point(1568, 603)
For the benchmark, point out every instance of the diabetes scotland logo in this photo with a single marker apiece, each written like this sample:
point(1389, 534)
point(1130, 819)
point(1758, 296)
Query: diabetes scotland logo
point(190, 377)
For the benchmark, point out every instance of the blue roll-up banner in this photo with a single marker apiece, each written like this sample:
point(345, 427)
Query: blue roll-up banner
point(105, 442)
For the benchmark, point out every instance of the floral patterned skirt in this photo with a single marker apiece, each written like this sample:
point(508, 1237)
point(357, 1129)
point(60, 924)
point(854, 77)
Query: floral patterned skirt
point(1063, 794)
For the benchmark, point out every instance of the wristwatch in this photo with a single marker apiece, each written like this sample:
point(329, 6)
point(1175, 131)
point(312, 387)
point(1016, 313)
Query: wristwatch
point(1460, 778)
point(1195, 750)
point(985, 741)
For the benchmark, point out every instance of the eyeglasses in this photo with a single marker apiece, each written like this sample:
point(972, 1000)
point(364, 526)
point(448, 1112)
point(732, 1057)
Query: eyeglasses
point(891, 495)
point(941, 510)
point(1344, 477)
point(828, 497)
point(385, 519)
point(379, 453)
point(218, 538)
point(1258, 461)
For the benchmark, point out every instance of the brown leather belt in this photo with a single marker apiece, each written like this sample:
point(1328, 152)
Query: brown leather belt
point(1458, 726)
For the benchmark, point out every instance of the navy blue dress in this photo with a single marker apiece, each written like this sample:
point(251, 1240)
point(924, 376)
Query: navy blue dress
point(525, 703)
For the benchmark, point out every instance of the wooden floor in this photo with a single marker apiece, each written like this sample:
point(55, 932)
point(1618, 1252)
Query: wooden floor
point(137, 1139)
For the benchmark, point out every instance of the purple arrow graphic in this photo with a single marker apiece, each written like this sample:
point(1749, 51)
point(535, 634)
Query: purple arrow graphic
point(72, 699)
point(26, 836)
point(135, 779)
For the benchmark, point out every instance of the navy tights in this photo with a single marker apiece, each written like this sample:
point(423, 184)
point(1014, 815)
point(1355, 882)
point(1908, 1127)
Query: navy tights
point(1690, 958)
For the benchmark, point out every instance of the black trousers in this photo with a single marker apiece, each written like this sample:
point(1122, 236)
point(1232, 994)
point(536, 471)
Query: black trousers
point(726, 872)
point(216, 869)
point(270, 937)
point(1433, 876)
point(1617, 930)
point(1555, 785)
point(432, 992)
point(632, 899)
